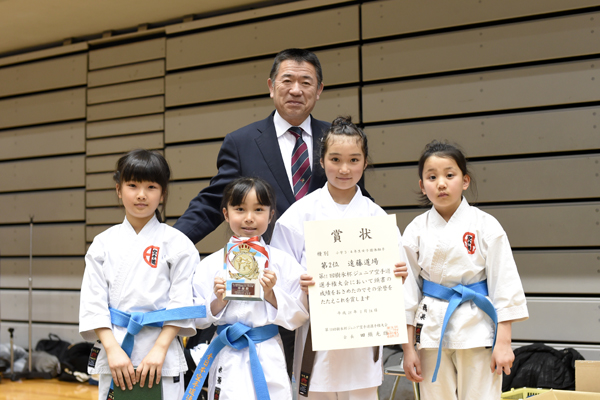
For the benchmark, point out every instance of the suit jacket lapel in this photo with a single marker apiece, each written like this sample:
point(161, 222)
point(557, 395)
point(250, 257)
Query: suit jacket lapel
point(269, 147)
point(318, 174)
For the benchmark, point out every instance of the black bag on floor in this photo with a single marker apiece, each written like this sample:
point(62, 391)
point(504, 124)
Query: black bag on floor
point(77, 356)
point(541, 366)
point(74, 364)
point(53, 345)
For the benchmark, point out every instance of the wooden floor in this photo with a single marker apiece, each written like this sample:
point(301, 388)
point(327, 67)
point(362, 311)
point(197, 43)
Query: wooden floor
point(46, 389)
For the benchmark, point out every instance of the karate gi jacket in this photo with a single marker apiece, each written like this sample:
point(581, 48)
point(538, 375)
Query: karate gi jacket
point(141, 272)
point(469, 248)
point(334, 370)
point(230, 374)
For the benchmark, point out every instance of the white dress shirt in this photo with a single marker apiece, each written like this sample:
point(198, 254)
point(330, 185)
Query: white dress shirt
point(287, 141)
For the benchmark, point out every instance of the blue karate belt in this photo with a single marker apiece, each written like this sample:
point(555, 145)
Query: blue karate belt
point(455, 296)
point(135, 321)
point(238, 336)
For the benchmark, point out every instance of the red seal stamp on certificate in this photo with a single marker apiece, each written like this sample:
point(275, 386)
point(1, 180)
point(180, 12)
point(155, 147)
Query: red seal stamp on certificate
point(469, 242)
point(393, 331)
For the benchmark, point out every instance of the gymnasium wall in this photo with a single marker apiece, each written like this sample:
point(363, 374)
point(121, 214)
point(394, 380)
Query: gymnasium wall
point(513, 82)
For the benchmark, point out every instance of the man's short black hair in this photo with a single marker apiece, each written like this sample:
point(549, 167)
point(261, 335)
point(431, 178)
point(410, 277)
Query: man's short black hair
point(299, 56)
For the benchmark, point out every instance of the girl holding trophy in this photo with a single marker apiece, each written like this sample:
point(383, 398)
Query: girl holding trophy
point(249, 288)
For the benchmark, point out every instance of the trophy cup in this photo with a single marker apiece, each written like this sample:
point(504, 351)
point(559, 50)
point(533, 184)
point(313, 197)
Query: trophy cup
point(244, 267)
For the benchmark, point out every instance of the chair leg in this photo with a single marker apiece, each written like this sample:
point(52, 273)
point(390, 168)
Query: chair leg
point(395, 388)
point(416, 391)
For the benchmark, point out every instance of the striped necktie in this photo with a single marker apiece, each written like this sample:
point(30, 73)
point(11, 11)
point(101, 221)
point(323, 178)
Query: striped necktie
point(300, 164)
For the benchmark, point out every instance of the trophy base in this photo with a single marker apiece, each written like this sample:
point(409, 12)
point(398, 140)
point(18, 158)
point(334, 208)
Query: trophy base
point(236, 290)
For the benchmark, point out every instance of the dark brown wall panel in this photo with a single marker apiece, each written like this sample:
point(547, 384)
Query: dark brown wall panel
point(125, 126)
point(99, 181)
point(384, 18)
point(127, 54)
point(48, 273)
point(124, 144)
point(102, 198)
point(555, 84)
point(48, 240)
point(551, 131)
point(213, 121)
point(484, 47)
point(126, 108)
point(44, 173)
point(35, 109)
point(180, 195)
point(564, 271)
point(573, 177)
point(128, 90)
point(545, 312)
point(193, 161)
point(102, 216)
point(43, 140)
point(320, 28)
point(15, 305)
point(38, 76)
point(127, 73)
point(46, 206)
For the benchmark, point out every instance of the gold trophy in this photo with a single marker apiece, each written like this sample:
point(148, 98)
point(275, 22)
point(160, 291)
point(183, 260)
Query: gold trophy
point(244, 267)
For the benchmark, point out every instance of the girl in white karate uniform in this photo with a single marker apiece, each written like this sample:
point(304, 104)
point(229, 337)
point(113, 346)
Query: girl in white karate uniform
point(248, 206)
point(455, 245)
point(350, 374)
point(141, 265)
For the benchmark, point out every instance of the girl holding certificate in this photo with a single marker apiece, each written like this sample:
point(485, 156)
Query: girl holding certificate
point(244, 370)
point(140, 266)
point(464, 292)
point(350, 374)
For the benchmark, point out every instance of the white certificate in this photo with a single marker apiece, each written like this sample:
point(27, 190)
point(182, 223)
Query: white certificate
point(357, 300)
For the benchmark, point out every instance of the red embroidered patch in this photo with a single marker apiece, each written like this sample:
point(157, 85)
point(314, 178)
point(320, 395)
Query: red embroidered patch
point(151, 256)
point(469, 242)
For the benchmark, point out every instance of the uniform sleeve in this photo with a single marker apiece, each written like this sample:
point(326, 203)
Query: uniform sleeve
point(504, 284)
point(413, 286)
point(93, 307)
point(203, 285)
point(288, 238)
point(182, 268)
point(204, 213)
point(292, 306)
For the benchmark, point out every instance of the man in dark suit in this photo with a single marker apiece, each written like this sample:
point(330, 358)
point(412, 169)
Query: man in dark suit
point(264, 148)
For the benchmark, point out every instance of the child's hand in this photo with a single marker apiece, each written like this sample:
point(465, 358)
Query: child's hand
point(219, 303)
point(151, 366)
point(306, 281)
point(268, 282)
point(502, 358)
point(219, 288)
point(121, 367)
point(412, 364)
point(400, 270)
point(119, 363)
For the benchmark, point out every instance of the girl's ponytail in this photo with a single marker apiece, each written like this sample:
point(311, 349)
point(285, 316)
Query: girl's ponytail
point(343, 126)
